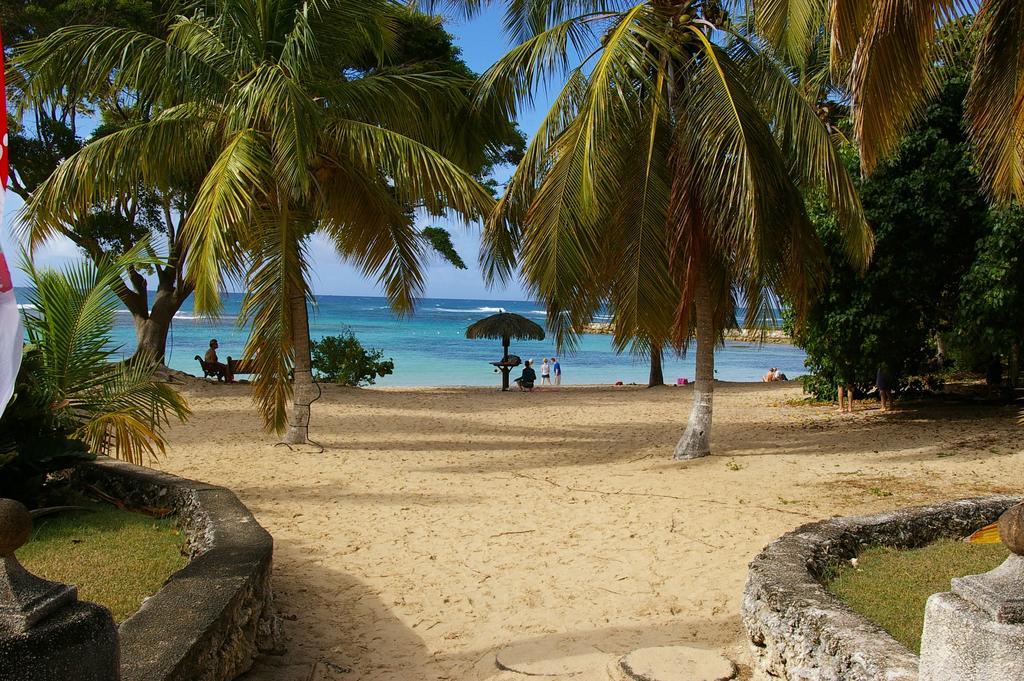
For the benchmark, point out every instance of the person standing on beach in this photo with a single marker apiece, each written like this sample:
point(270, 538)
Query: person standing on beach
point(557, 370)
point(849, 397)
point(545, 372)
point(883, 381)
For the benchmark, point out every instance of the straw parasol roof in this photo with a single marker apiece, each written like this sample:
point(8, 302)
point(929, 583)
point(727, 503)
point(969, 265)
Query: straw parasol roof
point(505, 325)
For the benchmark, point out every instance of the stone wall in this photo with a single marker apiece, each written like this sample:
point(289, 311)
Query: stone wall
point(210, 619)
point(799, 631)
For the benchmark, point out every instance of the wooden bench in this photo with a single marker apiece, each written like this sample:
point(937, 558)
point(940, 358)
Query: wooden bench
point(240, 366)
point(210, 369)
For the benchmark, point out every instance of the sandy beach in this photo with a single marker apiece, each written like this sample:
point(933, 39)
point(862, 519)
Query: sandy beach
point(440, 526)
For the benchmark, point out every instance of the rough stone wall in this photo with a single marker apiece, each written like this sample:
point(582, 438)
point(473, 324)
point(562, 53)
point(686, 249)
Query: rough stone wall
point(799, 631)
point(210, 619)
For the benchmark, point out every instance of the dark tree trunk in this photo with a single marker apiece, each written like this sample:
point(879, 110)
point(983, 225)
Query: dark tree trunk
point(152, 323)
point(152, 331)
point(657, 376)
point(1014, 368)
point(505, 371)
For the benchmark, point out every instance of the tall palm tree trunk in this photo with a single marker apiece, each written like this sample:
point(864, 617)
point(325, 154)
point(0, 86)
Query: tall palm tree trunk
point(298, 420)
point(696, 441)
point(657, 376)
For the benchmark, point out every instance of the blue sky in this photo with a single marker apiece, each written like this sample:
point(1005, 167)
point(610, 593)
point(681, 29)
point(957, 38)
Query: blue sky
point(482, 42)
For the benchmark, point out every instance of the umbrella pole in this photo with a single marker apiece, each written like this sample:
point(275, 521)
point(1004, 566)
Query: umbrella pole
point(504, 370)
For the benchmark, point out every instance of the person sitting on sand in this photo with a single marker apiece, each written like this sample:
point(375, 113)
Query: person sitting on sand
point(770, 377)
point(212, 359)
point(526, 381)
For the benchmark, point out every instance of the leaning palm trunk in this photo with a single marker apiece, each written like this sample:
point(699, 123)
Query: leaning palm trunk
point(696, 441)
point(298, 420)
point(657, 376)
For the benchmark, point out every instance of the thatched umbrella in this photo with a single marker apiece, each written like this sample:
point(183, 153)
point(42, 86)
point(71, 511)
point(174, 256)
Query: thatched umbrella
point(506, 326)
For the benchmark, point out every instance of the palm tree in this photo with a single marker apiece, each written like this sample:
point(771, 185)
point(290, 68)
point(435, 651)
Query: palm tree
point(667, 160)
point(888, 51)
point(115, 407)
point(272, 104)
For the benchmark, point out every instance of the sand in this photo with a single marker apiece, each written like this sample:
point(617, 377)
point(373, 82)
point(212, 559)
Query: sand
point(440, 526)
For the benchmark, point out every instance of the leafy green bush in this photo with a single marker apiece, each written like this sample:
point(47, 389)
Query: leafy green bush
point(927, 211)
point(34, 441)
point(990, 320)
point(344, 360)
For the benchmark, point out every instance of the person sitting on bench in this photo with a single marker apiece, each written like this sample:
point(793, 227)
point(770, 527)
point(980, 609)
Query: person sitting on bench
point(525, 382)
point(212, 360)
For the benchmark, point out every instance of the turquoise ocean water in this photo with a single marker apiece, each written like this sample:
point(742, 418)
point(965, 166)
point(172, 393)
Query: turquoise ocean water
point(429, 348)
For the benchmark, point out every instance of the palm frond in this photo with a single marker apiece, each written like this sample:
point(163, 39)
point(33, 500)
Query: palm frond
point(502, 230)
point(277, 274)
point(369, 228)
point(790, 25)
point(101, 61)
point(116, 407)
point(270, 98)
point(216, 228)
point(892, 72)
point(531, 65)
point(150, 153)
point(427, 178)
point(847, 22)
point(995, 102)
point(807, 144)
point(757, 212)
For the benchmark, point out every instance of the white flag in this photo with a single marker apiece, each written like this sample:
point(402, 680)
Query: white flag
point(11, 334)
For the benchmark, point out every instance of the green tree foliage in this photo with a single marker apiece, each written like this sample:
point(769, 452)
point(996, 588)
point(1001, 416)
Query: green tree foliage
point(343, 360)
point(441, 241)
point(28, 19)
point(990, 319)
point(43, 136)
point(927, 211)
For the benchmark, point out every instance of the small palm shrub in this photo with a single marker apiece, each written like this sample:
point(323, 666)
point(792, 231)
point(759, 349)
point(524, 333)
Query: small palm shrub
point(343, 360)
point(114, 407)
point(33, 440)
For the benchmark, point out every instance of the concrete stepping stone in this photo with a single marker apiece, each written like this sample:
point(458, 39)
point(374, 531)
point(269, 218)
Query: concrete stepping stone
point(561, 660)
point(676, 663)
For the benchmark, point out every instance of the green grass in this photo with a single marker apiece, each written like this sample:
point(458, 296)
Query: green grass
point(890, 586)
point(115, 558)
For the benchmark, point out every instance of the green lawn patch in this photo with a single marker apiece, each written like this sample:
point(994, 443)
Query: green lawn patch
point(890, 586)
point(115, 558)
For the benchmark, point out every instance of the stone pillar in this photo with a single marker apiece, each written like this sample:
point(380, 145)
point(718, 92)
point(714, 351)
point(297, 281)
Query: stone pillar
point(976, 631)
point(46, 633)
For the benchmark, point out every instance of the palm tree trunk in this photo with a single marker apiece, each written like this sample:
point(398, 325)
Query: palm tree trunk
point(298, 420)
point(657, 376)
point(696, 441)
